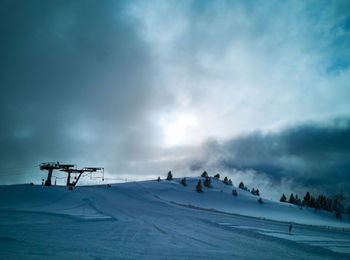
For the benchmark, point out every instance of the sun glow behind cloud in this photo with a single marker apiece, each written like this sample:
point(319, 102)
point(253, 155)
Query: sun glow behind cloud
point(179, 129)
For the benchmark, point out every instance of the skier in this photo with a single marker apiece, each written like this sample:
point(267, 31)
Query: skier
point(290, 228)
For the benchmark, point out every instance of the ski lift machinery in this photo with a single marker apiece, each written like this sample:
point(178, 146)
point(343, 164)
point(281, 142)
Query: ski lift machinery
point(69, 169)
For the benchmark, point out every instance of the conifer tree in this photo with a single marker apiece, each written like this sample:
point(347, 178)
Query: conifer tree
point(199, 187)
point(297, 200)
point(158, 178)
point(306, 200)
point(170, 176)
point(217, 176)
point(291, 198)
point(260, 201)
point(257, 192)
point(205, 174)
point(338, 207)
point(283, 198)
point(241, 185)
point(318, 204)
point(234, 192)
point(312, 203)
point(328, 205)
point(321, 202)
point(225, 180)
point(207, 182)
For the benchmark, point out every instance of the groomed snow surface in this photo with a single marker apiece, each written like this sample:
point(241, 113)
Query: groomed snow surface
point(162, 220)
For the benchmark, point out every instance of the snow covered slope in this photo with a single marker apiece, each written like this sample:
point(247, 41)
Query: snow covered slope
point(164, 219)
point(219, 197)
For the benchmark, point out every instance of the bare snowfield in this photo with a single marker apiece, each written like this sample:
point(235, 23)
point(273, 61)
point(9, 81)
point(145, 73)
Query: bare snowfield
point(162, 220)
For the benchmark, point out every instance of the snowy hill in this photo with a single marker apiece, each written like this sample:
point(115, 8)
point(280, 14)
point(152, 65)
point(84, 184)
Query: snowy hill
point(132, 220)
point(219, 197)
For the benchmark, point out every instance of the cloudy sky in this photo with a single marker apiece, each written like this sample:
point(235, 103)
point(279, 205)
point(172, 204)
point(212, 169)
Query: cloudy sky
point(256, 90)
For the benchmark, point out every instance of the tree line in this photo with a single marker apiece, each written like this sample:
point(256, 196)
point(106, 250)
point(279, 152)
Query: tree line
point(207, 183)
point(321, 202)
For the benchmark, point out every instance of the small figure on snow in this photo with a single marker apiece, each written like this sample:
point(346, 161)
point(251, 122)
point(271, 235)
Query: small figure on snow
point(290, 228)
point(183, 182)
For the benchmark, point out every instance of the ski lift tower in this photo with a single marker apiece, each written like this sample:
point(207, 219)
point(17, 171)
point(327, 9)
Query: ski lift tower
point(50, 166)
point(68, 168)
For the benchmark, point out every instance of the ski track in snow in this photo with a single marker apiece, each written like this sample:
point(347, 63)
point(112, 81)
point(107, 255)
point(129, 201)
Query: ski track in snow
point(161, 220)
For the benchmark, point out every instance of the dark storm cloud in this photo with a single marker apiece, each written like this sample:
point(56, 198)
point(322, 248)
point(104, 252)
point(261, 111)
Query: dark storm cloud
point(311, 155)
point(71, 70)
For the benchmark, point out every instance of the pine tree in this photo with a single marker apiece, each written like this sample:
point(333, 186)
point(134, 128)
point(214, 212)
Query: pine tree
point(170, 176)
point(338, 207)
point(234, 193)
point(241, 185)
point(322, 201)
point(312, 202)
point(183, 182)
point(283, 198)
point(257, 192)
point(318, 203)
point(225, 180)
point(297, 200)
point(217, 176)
point(205, 174)
point(306, 200)
point(260, 201)
point(199, 187)
point(291, 198)
point(207, 182)
point(328, 205)
point(158, 178)
point(229, 182)
point(253, 191)
point(349, 211)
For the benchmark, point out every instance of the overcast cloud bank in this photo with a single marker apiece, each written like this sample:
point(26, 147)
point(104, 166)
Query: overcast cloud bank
point(139, 86)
